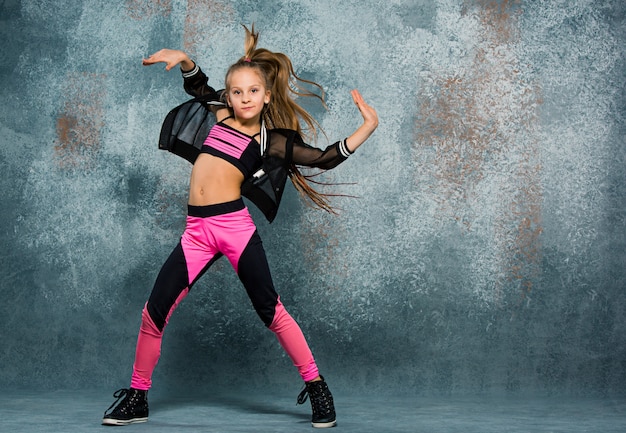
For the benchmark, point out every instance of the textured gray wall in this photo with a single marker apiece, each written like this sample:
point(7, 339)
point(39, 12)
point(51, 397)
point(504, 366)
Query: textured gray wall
point(486, 252)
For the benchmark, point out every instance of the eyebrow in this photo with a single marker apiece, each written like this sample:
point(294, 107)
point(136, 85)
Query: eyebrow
point(249, 87)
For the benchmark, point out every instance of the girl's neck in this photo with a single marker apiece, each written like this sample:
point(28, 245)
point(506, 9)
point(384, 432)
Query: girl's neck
point(250, 126)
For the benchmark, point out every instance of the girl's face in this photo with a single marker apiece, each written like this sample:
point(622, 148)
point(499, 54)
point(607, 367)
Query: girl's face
point(247, 94)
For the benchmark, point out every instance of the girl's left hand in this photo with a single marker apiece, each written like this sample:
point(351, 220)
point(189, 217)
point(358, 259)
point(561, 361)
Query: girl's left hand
point(370, 117)
point(370, 122)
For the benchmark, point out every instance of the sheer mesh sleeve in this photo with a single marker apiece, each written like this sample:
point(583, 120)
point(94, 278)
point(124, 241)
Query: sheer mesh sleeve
point(309, 156)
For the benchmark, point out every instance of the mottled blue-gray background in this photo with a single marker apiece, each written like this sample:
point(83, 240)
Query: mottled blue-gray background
point(485, 251)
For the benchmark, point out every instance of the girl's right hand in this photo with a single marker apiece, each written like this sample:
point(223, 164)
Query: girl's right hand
point(171, 58)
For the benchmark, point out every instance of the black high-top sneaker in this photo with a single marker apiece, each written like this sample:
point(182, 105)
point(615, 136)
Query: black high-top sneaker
point(321, 403)
point(132, 409)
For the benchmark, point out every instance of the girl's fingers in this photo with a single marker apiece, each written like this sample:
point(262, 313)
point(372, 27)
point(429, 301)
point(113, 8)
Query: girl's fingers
point(162, 56)
point(151, 60)
point(358, 100)
point(368, 113)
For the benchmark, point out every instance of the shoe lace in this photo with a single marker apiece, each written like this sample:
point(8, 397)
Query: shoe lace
point(320, 401)
point(304, 394)
point(119, 394)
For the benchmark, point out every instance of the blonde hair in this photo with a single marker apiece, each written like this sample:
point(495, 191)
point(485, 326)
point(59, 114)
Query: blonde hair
point(282, 111)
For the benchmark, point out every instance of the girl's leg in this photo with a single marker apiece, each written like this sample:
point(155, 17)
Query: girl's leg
point(169, 290)
point(189, 260)
point(253, 271)
point(132, 404)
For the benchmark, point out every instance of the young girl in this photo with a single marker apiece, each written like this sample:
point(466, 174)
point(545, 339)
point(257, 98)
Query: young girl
point(257, 121)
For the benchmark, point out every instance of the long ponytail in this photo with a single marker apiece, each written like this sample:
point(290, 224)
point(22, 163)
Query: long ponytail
point(283, 111)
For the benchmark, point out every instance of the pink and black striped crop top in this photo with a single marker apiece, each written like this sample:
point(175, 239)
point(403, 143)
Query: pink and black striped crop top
point(241, 150)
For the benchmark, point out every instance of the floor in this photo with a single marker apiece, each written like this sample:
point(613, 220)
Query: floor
point(68, 412)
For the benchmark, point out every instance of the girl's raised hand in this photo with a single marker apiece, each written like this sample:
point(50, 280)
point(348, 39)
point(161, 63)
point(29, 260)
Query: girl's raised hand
point(171, 58)
point(370, 117)
point(370, 122)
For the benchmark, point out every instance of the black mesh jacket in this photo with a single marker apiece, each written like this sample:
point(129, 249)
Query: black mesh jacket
point(281, 148)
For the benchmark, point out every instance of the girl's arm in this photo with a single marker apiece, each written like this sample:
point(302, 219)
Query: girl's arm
point(195, 81)
point(335, 154)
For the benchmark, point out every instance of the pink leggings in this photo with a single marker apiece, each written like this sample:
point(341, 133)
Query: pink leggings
point(212, 231)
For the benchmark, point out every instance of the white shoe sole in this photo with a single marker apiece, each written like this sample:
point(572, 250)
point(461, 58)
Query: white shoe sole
point(324, 424)
point(111, 421)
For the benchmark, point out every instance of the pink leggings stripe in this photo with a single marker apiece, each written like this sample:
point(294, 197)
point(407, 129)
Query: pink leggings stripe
point(292, 339)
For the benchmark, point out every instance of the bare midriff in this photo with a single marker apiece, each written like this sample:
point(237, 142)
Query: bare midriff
point(213, 181)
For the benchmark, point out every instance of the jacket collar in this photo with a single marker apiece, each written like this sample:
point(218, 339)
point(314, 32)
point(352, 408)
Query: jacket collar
point(263, 143)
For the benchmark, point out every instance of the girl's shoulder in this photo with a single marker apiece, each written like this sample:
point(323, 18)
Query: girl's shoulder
point(281, 134)
point(281, 131)
point(281, 142)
